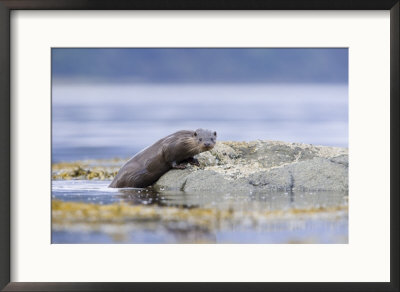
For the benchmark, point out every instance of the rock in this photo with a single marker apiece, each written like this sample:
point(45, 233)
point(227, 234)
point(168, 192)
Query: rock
point(319, 174)
point(263, 165)
point(278, 179)
point(175, 180)
point(199, 181)
point(341, 159)
point(244, 167)
point(208, 159)
point(206, 180)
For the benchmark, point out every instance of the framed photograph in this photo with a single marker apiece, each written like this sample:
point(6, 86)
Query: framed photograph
point(199, 146)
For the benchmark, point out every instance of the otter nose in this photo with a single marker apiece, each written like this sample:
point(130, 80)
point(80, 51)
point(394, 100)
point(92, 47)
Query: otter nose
point(207, 144)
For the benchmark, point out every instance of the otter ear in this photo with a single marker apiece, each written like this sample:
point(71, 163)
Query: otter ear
point(195, 134)
point(215, 133)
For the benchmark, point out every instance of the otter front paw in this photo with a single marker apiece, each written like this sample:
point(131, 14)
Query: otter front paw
point(194, 161)
point(178, 166)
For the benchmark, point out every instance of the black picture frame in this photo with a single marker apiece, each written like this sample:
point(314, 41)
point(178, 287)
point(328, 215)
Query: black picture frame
point(6, 6)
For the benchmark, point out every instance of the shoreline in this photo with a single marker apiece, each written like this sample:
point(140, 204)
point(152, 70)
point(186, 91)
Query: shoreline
point(238, 166)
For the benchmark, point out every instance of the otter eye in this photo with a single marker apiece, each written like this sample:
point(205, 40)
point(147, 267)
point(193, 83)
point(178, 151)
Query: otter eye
point(195, 134)
point(215, 133)
point(200, 139)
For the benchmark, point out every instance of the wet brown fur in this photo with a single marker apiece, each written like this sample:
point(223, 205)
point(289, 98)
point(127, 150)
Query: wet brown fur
point(150, 164)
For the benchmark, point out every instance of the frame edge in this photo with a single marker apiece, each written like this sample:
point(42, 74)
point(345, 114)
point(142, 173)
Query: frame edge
point(394, 143)
point(5, 157)
point(5, 145)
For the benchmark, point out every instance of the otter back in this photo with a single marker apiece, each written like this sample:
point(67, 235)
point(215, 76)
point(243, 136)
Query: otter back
point(147, 166)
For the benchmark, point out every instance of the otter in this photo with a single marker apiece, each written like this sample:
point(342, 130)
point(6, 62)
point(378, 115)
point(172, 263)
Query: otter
point(173, 151)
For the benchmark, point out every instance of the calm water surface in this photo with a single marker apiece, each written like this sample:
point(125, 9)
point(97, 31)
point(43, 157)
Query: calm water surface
point(117, 120)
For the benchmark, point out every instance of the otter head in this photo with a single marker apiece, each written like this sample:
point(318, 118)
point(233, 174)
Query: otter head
point(205, 138)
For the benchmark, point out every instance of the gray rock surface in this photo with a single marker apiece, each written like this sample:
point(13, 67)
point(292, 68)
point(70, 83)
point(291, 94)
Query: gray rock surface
point(262, 165)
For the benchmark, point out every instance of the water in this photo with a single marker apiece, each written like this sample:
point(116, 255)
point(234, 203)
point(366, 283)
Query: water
point(177, 217)
point(93, 121)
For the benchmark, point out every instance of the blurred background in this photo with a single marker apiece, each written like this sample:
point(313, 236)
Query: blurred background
point(109, 103)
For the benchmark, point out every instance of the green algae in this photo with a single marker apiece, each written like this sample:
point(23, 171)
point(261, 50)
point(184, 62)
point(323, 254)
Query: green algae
point(89, 170)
